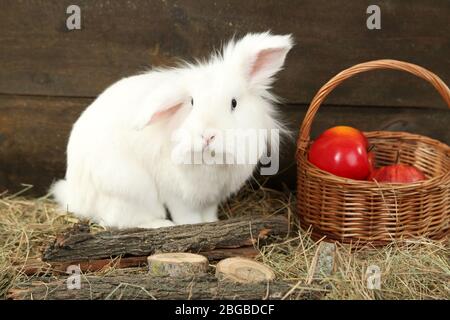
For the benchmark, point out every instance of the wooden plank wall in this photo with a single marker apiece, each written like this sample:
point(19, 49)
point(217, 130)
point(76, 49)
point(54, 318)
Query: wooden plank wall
point(49, 74)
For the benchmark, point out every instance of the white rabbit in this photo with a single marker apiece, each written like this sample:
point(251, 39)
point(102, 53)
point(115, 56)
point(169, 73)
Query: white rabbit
point(122, 167)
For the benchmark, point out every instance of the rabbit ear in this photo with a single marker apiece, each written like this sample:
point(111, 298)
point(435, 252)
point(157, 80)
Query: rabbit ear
point(159, 105)
point(260, 55)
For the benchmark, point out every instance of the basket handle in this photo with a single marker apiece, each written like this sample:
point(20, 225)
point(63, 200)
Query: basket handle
point(423, 73)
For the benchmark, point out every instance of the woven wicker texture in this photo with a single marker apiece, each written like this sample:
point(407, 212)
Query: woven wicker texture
point(365, 212)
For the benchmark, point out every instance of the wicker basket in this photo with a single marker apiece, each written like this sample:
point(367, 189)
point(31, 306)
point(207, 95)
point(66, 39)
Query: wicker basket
point(363, 212)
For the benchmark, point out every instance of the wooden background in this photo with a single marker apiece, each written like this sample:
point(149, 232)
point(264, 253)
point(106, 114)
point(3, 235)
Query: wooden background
point(49, 74)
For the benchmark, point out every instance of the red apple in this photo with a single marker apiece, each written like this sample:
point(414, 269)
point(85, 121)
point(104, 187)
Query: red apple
point(341, 151)
point(397, 173)
point(346, 132)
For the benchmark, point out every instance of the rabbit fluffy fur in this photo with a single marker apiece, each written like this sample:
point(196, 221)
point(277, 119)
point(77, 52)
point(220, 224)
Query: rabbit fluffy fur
point(120, 155)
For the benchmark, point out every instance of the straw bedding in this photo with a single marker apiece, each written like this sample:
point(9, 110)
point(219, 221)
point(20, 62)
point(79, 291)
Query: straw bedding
point(419, 270)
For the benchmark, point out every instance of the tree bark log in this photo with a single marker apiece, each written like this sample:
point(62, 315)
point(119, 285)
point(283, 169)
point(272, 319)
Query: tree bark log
point(215, 240)
point(39, 267)
point(146, 287)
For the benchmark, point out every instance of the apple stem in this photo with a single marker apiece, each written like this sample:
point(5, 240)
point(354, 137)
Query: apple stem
point(398, 157)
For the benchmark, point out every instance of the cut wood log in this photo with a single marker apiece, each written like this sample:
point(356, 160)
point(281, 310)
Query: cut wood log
point(243, 270)
point(139, 286)
point(237, 236)
point(39, 267)
point(179, 264)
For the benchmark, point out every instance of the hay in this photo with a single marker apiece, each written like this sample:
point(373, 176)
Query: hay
point(420, 270)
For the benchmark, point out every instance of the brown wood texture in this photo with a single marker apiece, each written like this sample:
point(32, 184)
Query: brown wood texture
point(147, 287)
point(34, 133)
point(39, 56)
point(78, 244)
point(33, 136)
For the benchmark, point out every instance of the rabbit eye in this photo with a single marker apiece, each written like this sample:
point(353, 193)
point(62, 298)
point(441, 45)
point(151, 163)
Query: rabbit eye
point(192, 101)
point(233, 104)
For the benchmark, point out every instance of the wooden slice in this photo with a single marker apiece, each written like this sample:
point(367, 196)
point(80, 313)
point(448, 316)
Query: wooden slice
point(243, 271)
point(179, 264)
